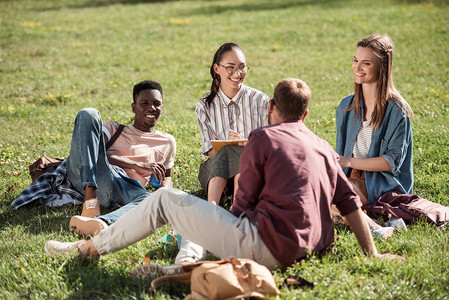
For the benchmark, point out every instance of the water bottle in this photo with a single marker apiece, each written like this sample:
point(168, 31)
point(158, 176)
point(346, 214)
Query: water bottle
point(154, 182)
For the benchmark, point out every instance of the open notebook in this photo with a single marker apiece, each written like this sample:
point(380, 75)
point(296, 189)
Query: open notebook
point(217, 144)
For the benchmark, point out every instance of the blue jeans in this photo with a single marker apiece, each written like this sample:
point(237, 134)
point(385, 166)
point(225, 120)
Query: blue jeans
point(113, 216)
point(89, 166)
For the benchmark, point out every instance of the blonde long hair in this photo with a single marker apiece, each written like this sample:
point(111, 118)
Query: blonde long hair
point(382, 47)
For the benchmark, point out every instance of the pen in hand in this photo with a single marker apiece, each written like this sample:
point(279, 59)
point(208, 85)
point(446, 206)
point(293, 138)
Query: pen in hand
point(234, 135)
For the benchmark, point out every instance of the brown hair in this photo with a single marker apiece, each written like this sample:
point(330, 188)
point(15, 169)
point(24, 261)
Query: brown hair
point(291, 97)
point(382, 47)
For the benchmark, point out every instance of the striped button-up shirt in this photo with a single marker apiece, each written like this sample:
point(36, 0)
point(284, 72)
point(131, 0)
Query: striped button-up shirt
point(246, 111)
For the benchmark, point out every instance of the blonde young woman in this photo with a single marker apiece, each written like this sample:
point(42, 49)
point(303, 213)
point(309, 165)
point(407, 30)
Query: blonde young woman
point(230, 111)
point(374, 133)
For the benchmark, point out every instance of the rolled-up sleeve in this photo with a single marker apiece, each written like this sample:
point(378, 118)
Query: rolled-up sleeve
point(109, 128)
point(394, 148)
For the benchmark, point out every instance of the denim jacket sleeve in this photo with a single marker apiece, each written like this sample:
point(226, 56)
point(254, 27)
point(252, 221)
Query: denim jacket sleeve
point(393, 140)
point(396, 140)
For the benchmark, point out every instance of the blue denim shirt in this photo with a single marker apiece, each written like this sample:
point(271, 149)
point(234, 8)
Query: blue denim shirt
point(393, 140)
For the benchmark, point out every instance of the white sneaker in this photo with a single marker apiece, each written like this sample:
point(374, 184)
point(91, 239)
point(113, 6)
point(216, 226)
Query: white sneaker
point(383, 232)
point(189, 252)
point(87, 226)
point(397, 224)
point(142, 272)
point(55, 248)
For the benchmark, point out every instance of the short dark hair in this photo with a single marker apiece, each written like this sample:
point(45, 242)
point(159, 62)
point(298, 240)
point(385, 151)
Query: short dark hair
point(146, 85)
point(291, 97)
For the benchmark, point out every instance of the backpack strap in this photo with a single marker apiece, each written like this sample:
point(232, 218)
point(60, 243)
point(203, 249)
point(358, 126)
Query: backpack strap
point(115, 136)
point(296, 281)
point(178, 278)
point(184, 277)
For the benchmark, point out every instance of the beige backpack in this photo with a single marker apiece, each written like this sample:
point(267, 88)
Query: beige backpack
point(233, 278)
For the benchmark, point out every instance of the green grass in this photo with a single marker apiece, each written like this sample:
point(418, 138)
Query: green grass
point(57, 57)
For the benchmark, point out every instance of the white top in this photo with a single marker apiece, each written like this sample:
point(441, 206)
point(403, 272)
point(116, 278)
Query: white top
point(246, 111)
point(363, 141)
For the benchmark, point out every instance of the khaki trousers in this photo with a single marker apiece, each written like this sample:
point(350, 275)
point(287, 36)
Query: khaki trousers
point(195, 219)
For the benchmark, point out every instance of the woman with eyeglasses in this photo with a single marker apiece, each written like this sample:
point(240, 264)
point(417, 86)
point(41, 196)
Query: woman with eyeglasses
point(229, 112)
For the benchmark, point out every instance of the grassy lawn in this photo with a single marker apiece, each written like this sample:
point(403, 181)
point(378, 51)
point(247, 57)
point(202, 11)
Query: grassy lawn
point(57, 57)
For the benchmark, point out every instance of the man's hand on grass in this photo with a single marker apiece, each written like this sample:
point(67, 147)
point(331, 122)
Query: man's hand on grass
point(390, 256)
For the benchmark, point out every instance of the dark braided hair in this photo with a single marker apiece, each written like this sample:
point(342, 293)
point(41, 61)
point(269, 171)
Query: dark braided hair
point(215, 77)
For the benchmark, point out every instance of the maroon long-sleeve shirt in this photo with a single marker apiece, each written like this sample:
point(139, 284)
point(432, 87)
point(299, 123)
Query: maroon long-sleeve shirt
point(289, 178)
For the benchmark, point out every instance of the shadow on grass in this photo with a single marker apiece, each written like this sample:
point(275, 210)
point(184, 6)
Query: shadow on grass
point(432, 2)
point(93, 279)
point(262, 5)
point(163, 251)
point(89, 279)
point(37, 219)
point(199, 193)
point(206, 9)
point(94, 3)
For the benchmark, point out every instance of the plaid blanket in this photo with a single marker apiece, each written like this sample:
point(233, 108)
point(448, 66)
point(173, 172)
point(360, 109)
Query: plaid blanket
point(50, 189)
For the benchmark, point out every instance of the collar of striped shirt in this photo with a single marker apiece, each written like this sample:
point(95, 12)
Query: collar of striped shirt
point(226, 100)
